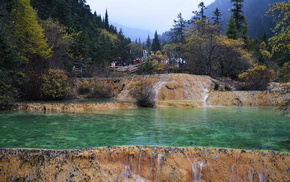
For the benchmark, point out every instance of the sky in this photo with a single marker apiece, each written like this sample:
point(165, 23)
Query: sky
point(146, 14)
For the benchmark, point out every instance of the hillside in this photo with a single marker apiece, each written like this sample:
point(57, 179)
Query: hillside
point(98, 42)
point(254, 11)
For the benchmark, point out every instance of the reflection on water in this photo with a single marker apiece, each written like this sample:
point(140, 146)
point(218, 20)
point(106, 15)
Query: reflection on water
point(230, 127)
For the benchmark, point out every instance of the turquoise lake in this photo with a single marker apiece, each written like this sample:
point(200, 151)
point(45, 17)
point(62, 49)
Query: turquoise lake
point(258, 128)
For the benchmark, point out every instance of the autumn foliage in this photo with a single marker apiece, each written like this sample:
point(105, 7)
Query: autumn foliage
point(54, 85)
point(257, 78)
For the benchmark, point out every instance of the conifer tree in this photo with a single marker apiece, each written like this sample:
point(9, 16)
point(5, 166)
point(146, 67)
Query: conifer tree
point(28, 37)
point(148, 43)
point(232, 31)
point(156, 46)
point(106, 21)
point(200, 14)
point(10, 79)
point(178, 34)
point(217, 17)
point(241, 23)
point(9, 57)
point(62, 13)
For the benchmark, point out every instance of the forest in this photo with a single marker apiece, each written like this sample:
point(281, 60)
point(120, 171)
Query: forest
point(44, 42)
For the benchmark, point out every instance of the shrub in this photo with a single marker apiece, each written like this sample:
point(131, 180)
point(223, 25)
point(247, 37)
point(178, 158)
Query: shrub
point(284, 73)
point(54, 85)
point(147, 67)
point(102, 89)
point(96, 88)
point(8, 92)
point(143, 93)
point(257, 78)
point(85, 87)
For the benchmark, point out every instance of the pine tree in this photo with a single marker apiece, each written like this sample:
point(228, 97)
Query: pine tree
point(62, 13)
point(241, 23)
point(106, 21)
point(148, 43)
point(156, 46)
point(28, 37)
point(200, 14)
point(217, 17)
point(232, 31)
point(10, 79)
point(178, 33)
point(9, 57)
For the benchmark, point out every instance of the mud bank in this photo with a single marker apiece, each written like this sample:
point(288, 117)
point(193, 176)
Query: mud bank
point(146, 163)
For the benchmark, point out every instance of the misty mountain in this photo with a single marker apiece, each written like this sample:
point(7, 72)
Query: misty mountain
point(254, 11)
point(134, 33)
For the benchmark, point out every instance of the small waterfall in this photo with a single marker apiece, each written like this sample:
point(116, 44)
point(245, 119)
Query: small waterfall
point(204, 94)
point(197, 171)
point(139, 163)
point(233, 169)
point(129, 174)
point(259, 175)
point(157, 87)
point(250, 175)
point(124, 94)
point(159, 159)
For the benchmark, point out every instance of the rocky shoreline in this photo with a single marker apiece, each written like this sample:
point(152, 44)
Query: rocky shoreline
point(214, 98)
point(144, 163)
point(72, 107)
point(171, 90)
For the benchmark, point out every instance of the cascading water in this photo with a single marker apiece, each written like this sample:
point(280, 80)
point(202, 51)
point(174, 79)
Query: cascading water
point(159, 159)
point(197, 171)
point(125, 93)
point(157, 87)
point(179, 87)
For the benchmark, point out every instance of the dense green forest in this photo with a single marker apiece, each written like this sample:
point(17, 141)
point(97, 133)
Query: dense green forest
point(40, 35)
point(45, 43)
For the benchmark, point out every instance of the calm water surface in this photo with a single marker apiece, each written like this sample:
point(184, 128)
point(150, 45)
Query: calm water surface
point(230, 127)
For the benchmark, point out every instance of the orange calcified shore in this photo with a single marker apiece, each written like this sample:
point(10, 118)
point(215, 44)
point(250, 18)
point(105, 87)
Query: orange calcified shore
point(144, 163)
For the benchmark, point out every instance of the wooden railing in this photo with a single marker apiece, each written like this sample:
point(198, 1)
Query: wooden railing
point(130, 69)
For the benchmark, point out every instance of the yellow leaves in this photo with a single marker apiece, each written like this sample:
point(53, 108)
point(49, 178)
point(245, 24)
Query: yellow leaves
point(283, 10)
point(55, 84)
point(267, 54)
point(257, 78)
point(281, 40)
point(112, 37)
point(172, 47)
point(159, 56)
point(261, 72)
point(26, 33)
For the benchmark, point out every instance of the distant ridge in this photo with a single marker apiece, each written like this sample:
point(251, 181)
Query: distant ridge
point(134, 33)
